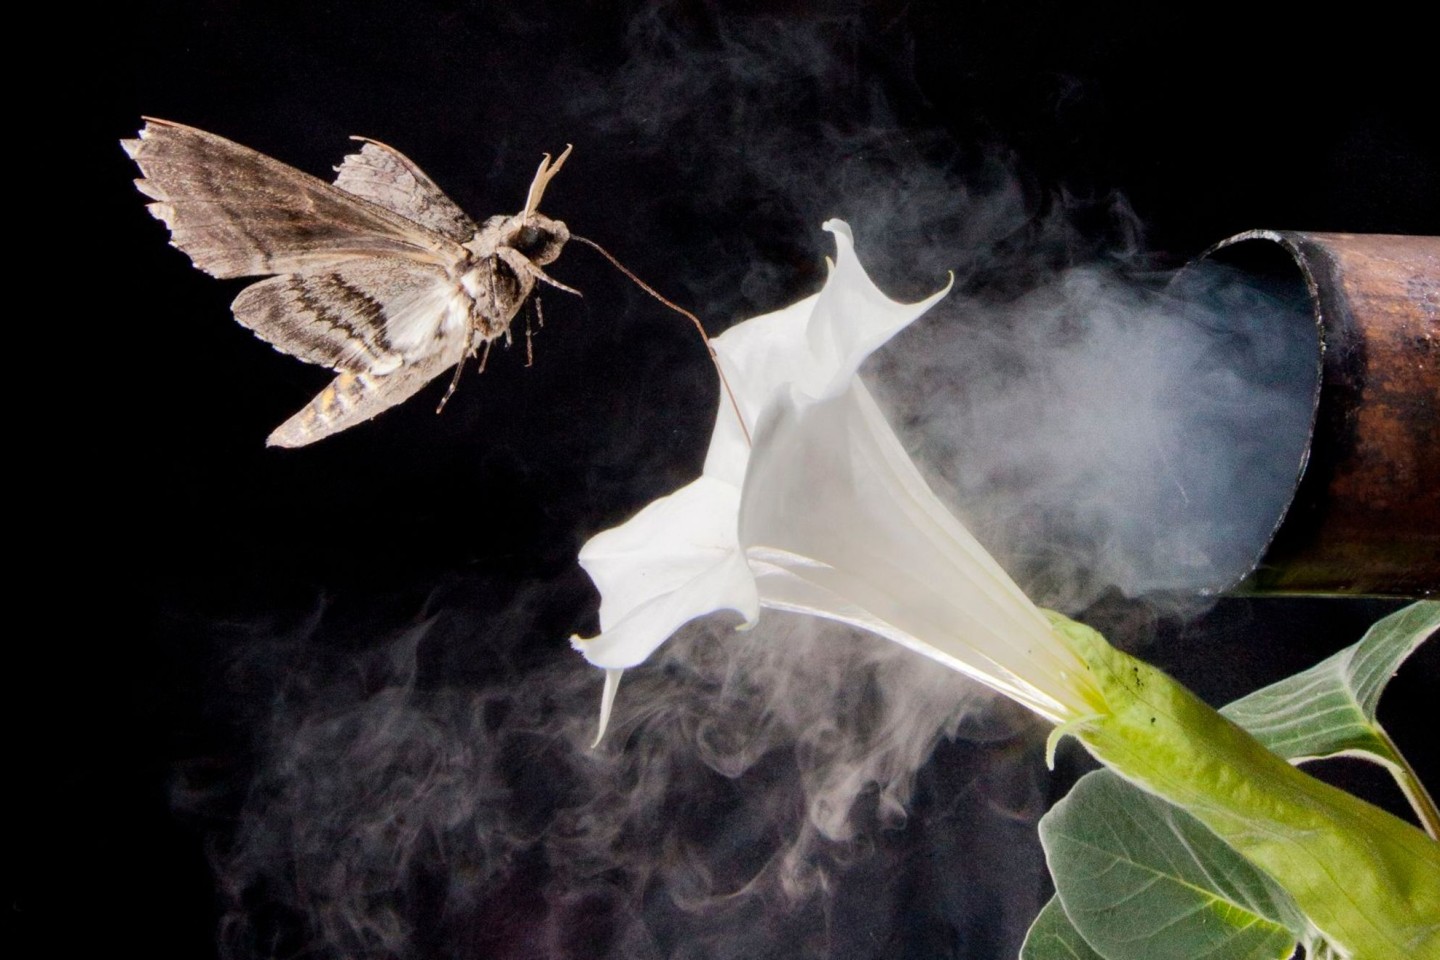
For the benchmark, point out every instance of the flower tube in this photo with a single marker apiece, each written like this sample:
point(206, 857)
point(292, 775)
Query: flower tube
point(824, 513)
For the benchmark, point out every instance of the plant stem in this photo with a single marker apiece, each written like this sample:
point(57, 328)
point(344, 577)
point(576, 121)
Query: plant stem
point(1420, 800)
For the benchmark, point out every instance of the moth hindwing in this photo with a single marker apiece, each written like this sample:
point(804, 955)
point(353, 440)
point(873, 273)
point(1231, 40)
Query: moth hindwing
point(378, 276)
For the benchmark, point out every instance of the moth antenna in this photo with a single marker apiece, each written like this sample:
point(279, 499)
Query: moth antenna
point(543, 176)
point(709, 347)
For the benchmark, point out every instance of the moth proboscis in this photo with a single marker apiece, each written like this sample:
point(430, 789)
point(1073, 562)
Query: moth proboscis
point(378, 276)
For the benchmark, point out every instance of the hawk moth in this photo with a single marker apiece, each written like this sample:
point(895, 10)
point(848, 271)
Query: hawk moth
point(379, 276)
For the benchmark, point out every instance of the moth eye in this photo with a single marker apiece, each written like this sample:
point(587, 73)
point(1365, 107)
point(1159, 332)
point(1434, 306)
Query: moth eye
point(528, 240)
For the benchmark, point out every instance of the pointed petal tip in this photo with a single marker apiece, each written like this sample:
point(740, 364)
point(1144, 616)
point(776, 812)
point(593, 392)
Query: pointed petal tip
point(839, 228)
point(607, 702)
point(845, 237)
point(949, 285)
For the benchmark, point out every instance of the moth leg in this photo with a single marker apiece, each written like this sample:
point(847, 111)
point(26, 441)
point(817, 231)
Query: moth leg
point(485, 355)
point(546, 278)
point(539, 314)
point(454, 382)
point(524, 267)
point(529, 344)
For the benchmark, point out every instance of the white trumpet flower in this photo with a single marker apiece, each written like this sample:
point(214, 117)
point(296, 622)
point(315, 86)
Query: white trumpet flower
point(823, 513)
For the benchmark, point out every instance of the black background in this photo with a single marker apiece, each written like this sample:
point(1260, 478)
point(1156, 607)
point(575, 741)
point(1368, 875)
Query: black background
point(708, 147)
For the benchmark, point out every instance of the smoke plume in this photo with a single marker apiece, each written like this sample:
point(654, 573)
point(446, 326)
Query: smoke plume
point(751, 799)
point(1107, 431)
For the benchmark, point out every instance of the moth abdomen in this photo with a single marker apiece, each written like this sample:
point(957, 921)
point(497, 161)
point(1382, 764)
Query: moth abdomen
point(333, 405)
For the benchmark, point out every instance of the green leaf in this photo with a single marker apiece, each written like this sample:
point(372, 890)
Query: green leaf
point(1140, 879)
point(1053, 937)
point(1329, 709)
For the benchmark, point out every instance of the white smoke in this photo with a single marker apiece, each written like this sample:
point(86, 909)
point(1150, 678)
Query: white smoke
point(1108, 432)
point(748, 784)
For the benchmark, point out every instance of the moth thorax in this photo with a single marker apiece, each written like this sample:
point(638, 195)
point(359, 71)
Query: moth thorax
point(497, 291)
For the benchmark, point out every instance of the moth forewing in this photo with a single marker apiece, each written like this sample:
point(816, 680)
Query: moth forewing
point(383, 175)
point(379, 276)
point(238, 213)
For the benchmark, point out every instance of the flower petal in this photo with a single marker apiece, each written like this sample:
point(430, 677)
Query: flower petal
point(676, 560)
point(852, 319)
point(814, 346)
point(838, 523)
point(761, 357)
